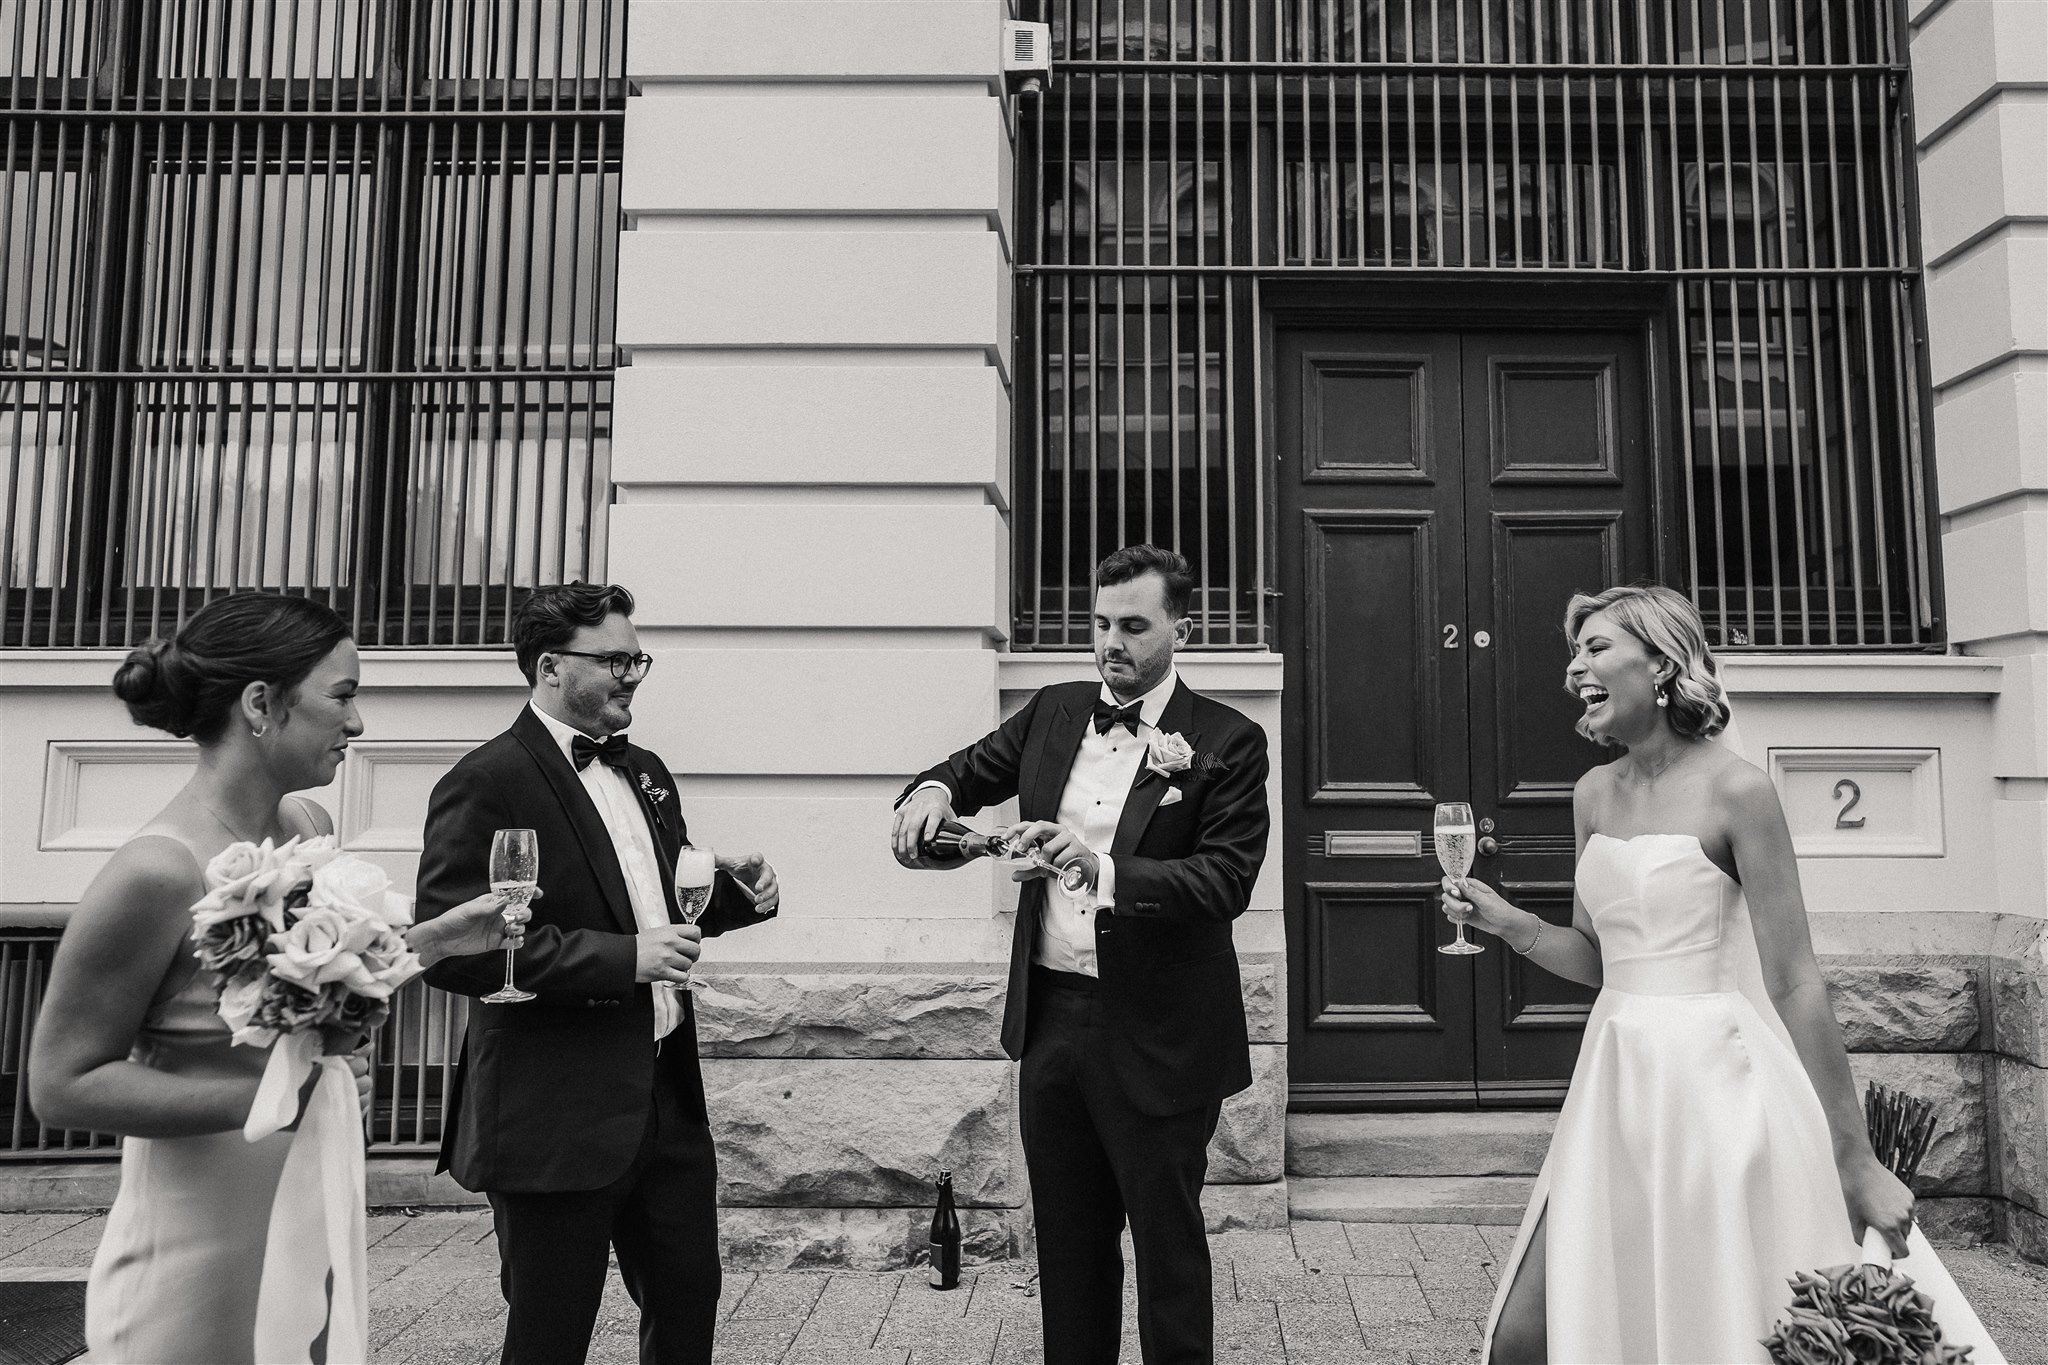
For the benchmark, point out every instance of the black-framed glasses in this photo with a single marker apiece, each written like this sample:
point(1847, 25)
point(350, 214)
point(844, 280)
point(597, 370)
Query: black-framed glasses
point(619, 662)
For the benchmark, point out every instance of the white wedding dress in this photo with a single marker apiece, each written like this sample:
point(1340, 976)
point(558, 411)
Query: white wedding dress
point(1691, 1175)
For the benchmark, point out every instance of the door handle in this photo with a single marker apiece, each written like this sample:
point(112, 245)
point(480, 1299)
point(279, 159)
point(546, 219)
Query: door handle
point(1488, 846)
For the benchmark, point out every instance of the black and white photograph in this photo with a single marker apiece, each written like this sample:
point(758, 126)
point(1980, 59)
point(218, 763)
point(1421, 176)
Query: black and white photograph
point(1024, 682)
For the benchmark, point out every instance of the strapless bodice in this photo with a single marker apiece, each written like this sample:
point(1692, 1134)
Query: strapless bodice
point(183, 1033)
point(1670, 921)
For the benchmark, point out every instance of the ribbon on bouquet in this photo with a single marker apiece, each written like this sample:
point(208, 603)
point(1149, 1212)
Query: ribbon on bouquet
point(1952, 1312)
point(312, 1307)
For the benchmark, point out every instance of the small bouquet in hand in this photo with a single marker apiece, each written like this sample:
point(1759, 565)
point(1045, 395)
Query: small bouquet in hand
point(1875, 1313)
point(307, 945)
point(304, 941)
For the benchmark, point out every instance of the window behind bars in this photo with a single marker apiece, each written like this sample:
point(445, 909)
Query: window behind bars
point(307, 295)
point(1755, 155)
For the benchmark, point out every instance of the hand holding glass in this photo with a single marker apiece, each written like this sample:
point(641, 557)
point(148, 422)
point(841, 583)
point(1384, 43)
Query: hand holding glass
point(515, 872)
point(695, 868)
point(1455, 837)
point(1072, 879)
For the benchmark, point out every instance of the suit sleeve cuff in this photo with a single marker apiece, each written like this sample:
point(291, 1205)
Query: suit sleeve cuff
point(1105, 883)
point(934, 786)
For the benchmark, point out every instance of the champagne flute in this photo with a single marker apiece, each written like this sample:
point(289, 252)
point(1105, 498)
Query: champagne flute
point(1072, 879)
point(515, 872)
point(1454, 846)
point(695, 869)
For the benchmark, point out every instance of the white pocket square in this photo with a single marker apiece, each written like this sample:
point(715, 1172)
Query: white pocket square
point(1173, 794)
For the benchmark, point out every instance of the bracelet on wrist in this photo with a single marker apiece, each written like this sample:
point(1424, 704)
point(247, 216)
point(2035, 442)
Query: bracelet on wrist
point(1540, 923)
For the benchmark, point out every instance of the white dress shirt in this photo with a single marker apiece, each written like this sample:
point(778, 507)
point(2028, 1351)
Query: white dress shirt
point(626, 822)
point(1091, 805)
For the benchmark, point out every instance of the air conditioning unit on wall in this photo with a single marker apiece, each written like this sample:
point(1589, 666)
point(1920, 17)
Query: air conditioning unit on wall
point(1027, 57)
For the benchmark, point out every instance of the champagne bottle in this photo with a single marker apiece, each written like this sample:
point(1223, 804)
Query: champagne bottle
point(945, 1237)
point(954, 844)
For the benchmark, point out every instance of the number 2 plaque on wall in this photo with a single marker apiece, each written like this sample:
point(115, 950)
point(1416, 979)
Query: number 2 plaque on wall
point(1861, 803)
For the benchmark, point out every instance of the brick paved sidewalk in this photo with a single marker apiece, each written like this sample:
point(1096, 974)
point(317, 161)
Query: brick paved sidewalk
point(1319, 1294)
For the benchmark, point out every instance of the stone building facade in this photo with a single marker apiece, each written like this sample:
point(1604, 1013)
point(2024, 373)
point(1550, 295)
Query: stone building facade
point(819, 436)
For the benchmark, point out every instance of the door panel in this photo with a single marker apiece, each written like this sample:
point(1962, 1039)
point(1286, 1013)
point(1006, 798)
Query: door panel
point(1370, 660)
point(1367, 417)
point(1442, 495)
point(1375, 562)
point(1538, 558)
point(1378, 977)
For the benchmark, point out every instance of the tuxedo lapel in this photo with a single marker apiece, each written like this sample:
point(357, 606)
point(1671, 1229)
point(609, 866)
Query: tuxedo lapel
point(590, 829)
point(648, 776)
point(1055, 761)
point(1148, 788)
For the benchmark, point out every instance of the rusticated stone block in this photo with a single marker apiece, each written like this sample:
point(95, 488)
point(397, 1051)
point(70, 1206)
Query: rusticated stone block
point(1265, 1005)
point(851, 1014)
point(1250, 1146)
point(856, 1239)
point(1903, 1005)
point(863, 1133)
point(2023, 1132)
point(1239, 1208)
point(1958, 1160)
point(2019, 995)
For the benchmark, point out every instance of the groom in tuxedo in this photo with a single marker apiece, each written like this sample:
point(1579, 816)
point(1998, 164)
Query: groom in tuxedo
point(580, 1113)
point(1124, 1004)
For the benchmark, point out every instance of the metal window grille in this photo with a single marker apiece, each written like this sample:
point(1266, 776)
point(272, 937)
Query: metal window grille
point(308, 295)
point(1754, 154)
point(412, 1061)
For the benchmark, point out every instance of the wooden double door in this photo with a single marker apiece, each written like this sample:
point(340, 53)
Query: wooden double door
point(1441, 495)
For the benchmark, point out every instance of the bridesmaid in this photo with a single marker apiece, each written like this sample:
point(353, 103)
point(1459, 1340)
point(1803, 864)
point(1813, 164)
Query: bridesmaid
point(129, 1042)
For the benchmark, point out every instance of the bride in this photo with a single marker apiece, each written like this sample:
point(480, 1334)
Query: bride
point(130, 1040)
point(1711, 1145)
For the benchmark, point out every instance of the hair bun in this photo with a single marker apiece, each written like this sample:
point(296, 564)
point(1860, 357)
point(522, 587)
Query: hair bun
point(150, 681)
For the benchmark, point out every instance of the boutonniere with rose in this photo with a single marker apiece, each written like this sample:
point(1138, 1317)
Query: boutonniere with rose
point(1166, 753)
point(655, 796)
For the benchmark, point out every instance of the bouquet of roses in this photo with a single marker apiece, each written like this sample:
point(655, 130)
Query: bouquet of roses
point(1859, 1315)
point(302, 939)
point(306, 944)
point(1884, 1311)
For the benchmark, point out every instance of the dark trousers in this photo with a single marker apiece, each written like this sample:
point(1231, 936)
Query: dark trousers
point(661, 1215)
point(1095, 1162)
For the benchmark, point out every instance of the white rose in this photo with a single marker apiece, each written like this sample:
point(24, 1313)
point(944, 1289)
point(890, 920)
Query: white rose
point(315, 853)
point(1167, 754)
point(236, 861)
point(353, 884)
point(248, 879)
point(323, 946)
point(380, 968)
point(238, 1005)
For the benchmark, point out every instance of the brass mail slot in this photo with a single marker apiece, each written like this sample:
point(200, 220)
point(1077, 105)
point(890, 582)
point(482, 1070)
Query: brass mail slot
point(1373, 843)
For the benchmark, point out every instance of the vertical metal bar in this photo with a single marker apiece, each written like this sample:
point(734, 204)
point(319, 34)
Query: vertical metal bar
point(1408, 79)
point(1514, 86)
point(1465, 137)
point(1436, 129)
point(1568, 178)
point(1386, 142)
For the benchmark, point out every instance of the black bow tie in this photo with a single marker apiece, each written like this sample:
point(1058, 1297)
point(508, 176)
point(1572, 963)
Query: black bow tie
point(1107, 715)
point(611, 751)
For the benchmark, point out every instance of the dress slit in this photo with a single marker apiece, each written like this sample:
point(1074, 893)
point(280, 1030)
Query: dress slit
point(1532, 1218)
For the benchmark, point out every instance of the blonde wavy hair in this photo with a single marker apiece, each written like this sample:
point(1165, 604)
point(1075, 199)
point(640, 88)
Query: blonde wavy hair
point(1669, 626)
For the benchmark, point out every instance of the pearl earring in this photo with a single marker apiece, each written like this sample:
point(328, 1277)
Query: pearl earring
point(1663, 697)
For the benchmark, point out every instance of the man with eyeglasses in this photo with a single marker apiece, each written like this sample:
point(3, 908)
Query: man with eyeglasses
point(581, 1113)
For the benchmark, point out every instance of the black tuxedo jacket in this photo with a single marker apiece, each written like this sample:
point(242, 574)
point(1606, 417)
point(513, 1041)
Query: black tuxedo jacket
point(1184, 871)
point(552, 1094)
